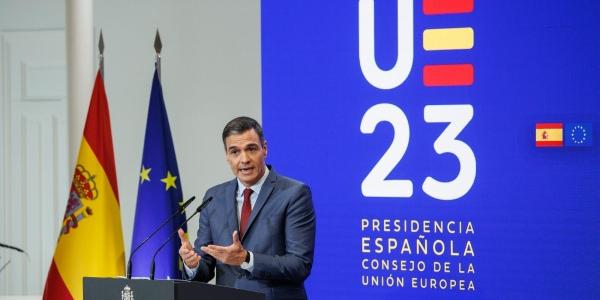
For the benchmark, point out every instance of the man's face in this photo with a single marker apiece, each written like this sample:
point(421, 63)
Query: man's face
point(246, 156)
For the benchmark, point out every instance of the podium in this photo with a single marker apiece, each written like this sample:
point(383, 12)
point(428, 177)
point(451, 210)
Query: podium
point(145, 289)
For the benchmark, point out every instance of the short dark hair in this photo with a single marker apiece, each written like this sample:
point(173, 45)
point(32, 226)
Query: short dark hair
point(240, 125)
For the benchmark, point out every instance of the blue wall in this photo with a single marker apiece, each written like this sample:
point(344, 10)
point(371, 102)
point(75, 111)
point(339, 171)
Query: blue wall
point(534, 212)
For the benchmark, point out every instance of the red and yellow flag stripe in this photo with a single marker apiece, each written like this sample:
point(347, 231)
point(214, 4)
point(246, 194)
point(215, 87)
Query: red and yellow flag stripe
point(91, 239)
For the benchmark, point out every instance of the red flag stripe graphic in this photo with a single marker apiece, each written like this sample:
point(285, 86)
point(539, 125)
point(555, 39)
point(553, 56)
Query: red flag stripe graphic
point(548, 125)
point(448, 75)
point(548, 143)
point(438, 7)
point(98, 132)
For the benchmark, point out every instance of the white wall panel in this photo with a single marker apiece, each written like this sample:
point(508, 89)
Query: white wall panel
point(34, 177)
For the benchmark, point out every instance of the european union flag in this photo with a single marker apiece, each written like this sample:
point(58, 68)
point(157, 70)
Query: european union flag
point(159, 194)
point(578, 134)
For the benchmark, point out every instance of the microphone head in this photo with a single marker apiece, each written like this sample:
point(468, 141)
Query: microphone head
point(182, 207)
point(204, 203)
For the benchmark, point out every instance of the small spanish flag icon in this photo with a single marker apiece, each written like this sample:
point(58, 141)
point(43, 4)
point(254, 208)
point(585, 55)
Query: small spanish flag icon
point(549, 134)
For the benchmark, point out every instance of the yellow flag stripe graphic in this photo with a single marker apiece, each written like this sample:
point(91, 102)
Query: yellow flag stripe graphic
point(448, 39)
point(552, 135)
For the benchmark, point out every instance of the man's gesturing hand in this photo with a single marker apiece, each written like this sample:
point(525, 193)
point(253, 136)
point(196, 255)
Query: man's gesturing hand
point(186, 251)
point(234, 254)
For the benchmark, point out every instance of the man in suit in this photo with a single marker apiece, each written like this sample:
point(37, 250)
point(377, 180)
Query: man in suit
point(259, 231)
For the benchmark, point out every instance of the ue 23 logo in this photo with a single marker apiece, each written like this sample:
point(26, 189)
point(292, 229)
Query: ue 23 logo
point(376, 184)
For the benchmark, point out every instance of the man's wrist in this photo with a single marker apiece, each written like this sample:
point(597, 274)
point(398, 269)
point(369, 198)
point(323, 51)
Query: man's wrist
point(190, 272)
point(248, 263)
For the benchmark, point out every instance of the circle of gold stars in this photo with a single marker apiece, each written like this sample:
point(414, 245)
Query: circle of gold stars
point(583, 132)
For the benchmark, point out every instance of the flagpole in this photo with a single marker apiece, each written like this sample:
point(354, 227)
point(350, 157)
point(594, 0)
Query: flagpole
point(101, 54)
point(157, 48)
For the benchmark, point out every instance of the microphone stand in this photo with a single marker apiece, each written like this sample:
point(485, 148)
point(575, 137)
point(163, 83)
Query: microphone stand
point(4, 266)
point(178, 211)
point(198, 210)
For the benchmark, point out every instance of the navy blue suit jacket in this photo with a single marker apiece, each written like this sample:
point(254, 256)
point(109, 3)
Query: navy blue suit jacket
point(280, 234)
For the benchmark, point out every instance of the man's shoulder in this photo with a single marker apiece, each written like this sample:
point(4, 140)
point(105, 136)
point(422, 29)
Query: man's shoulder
point(281, 181)
point(288, 181)
point(284, 183)
point(221, 187)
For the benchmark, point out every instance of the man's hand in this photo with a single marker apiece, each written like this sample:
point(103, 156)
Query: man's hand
point(234, 254)
point(186, 251)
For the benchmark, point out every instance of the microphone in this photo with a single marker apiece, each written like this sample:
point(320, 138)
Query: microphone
point(178, 211)
point(12, 248)
point(198, 210)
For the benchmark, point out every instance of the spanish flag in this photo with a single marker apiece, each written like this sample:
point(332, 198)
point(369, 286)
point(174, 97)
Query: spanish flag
point(548, 134)
point(90, 241)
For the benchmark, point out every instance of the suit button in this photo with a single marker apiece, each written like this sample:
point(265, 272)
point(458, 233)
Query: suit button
point(239, 275)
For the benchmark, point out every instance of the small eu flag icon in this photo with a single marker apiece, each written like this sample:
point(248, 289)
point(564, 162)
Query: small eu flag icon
point(578, 134)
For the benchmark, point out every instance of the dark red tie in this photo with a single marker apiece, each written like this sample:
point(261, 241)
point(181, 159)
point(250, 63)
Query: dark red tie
point(246, 211)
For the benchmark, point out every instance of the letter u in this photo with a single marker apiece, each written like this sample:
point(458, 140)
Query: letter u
point(385, 79)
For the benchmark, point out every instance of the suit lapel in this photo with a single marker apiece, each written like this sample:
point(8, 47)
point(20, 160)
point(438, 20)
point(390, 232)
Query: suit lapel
point(265, 192)
point(231, 206)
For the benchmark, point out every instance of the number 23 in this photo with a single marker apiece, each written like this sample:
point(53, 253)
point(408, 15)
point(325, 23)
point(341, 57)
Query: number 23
point(376, 185)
